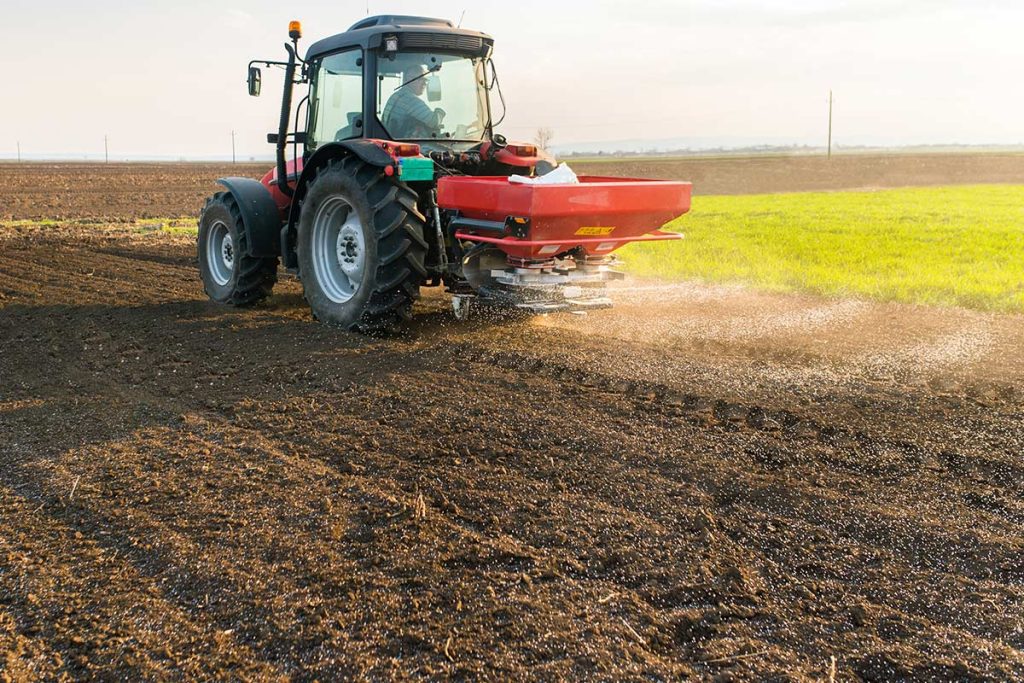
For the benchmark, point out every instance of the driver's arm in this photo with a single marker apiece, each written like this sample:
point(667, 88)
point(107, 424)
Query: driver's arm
point(431, 120)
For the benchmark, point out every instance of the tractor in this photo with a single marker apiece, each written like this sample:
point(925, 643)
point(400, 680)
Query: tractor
point(396, 180)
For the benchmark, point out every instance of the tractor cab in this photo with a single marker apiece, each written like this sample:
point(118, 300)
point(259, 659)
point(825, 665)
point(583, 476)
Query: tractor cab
point(391, 78)
point(401, 79)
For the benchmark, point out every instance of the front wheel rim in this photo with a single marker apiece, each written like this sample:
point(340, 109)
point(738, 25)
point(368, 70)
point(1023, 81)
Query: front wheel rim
point(339, 249)
point(220, 253)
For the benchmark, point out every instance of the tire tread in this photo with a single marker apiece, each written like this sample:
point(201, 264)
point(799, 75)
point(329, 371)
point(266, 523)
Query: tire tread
point(401, 247)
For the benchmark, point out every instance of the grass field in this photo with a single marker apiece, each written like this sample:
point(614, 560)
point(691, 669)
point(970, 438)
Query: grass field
point(960, 245)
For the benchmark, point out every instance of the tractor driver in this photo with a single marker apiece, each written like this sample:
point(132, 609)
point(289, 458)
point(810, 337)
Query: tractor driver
point(406, 115)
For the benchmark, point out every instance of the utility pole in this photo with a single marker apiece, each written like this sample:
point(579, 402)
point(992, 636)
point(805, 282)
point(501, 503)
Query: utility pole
point(106, 151)
point(232, 147)
point(19, 151)
point(830, 124)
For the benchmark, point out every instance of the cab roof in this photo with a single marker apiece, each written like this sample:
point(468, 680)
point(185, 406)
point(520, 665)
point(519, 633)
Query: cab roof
point(414, 33)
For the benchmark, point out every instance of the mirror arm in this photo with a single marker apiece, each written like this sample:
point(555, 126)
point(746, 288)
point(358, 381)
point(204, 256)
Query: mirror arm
point(265, 62)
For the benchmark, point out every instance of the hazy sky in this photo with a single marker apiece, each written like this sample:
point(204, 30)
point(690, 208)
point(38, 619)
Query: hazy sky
point(168, 78)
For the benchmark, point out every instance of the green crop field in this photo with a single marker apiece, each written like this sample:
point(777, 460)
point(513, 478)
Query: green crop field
point(960, 245)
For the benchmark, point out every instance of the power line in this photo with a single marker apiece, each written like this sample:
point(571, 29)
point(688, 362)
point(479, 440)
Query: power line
point(830, 100)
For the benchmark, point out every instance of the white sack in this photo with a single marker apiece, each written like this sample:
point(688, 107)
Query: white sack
point(563, 175)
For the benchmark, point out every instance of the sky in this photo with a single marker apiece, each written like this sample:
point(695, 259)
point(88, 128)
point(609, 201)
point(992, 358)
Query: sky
point(168, 79)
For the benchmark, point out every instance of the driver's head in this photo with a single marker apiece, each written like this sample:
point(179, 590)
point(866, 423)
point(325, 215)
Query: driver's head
point(411, 74)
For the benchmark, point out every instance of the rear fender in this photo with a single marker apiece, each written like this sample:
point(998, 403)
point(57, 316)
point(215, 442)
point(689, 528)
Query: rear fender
point(260, 215)
point(366, 150)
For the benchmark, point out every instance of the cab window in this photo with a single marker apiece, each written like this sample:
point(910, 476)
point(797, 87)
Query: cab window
point(336, 98)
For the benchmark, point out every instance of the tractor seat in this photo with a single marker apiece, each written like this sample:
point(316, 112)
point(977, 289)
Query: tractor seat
point(352, 130)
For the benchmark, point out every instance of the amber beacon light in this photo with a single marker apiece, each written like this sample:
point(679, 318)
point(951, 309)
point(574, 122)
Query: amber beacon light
point(294, 30)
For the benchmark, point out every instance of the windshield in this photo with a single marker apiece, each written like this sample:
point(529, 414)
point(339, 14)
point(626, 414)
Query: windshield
point(423, 96)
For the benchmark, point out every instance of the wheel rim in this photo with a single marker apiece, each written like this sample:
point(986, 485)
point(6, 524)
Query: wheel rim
point(339, 250)
point(220, 253)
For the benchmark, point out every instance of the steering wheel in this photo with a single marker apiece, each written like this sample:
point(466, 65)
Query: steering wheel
point(439, 116)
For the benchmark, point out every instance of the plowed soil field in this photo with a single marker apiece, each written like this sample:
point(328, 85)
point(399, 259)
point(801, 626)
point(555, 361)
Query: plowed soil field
point(703, 482)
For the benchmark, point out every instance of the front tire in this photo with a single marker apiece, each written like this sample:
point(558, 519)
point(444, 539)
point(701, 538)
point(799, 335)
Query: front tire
point(361, 248)
point(229, 274)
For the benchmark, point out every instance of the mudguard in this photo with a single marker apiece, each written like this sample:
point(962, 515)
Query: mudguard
point(260, 214)
point(366, 150)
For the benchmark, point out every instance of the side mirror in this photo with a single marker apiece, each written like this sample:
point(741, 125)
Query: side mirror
point(433, 88)
point(255, 80)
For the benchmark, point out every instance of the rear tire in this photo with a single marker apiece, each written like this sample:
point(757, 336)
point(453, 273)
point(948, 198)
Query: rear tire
point(360, 247)
point(229, 275)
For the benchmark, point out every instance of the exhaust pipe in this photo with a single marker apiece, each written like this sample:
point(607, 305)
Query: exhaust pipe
point(282, 127)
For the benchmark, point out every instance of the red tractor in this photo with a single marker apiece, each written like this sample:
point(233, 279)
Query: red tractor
point(398, 181)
